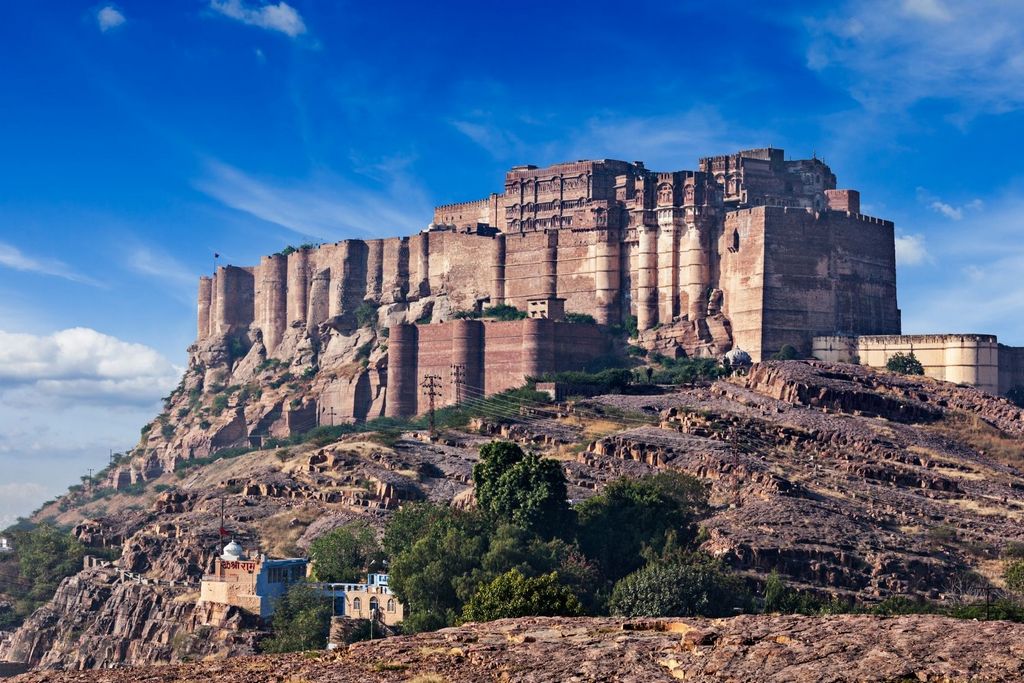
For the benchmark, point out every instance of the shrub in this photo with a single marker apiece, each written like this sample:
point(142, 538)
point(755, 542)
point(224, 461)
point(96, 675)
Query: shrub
point(302, 619)
point(504, 312)
point(687, 370)
point(696, 586)
point(167, 431)
point(1014, 576)
point(220, 403)
point(237, 348)
point(787, 352)
point(580, 318)
point(632, 514)
point(636, 351)
point(514, 595)
point(146, 429)
point(309, 372)
point(366, 315)
point(904, 364)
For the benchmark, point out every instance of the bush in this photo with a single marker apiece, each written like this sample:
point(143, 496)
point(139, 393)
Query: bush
point(1014, 576)
point(302, 620)
point(220, 403)
point(787, 352)
point(585, 318)
point(366, 315)
point(610, 381)
point(513, 595)
point(904, 364)
point(167, 431)
point(504, 312)
point(522, 488)
point(344, 554)
point(690, 587)
point(46, 556)
point(237, 348)
point(633, 514)
point(686, 370)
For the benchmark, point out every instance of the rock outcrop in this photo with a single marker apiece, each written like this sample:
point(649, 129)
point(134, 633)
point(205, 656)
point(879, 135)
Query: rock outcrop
point(753, 649)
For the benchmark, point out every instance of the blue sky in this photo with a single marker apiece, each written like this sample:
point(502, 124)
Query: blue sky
point(140, 137)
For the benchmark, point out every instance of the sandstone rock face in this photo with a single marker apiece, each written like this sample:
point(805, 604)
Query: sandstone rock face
point(752, 649)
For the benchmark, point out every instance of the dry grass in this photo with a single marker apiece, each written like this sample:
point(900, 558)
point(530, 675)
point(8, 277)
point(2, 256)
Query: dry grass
point(428, 678)
point(984, 438)
point(278, 533)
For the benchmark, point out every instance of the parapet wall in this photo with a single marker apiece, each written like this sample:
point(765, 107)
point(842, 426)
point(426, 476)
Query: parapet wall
point(491, 357)
point(975, 359)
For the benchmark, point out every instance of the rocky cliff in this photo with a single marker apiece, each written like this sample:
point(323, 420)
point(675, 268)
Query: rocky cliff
point(752, 649)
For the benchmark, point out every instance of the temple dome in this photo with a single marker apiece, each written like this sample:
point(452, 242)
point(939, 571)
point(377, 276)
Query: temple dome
point(738, 357)
point(232, 551)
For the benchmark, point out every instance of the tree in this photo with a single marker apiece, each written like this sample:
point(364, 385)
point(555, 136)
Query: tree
point(631, 514)
point(433, 573)
point(46, 556)
point(301, 621)
point(679, 587)
point(1014, 576)
point(787, 352)
point(904, 364)
point(522, 488)
point(344, 554)
point(514, 595)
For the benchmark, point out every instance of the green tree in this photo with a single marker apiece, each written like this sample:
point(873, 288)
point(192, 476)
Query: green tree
point(633, 514)
point(514, 595)
point(678, 587)
point(301, 621)
point(344, 554)
point(1014, 575)
point(46, 556)
point(905, 364)
point(787, 352)
point(432, 574)
point(366, 315)
point(522, 488)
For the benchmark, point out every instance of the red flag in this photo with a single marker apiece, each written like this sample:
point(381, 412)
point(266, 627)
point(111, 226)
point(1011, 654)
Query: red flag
point(223, 532)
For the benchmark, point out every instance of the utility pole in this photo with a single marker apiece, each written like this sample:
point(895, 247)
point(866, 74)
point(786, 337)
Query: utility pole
point(458, 379)
point(432, 389)
point(111, 457)
point(329, 411)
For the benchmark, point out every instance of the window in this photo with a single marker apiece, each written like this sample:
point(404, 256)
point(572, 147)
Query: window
point(374, 605)
point(391, 605)
point(735, 240)
point(357, 605)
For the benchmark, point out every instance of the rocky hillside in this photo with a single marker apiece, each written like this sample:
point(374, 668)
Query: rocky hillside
point(747, 648)
point(846, 481)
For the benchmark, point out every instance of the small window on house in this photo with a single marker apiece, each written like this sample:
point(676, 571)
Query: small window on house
point(374, 605)
point(391, 605)
point(357, 604)
point(735, 240)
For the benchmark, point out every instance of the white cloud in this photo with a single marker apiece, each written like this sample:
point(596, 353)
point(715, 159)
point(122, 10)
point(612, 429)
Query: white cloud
point(890, 55)
point(948, 210)
point(109, 18)
point(281, 17)
point(911, 250)
point(12, 257)
point(325, 207)
point(81, 363)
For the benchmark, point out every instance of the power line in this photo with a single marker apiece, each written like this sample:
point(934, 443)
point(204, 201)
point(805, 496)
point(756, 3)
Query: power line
point(432, 388)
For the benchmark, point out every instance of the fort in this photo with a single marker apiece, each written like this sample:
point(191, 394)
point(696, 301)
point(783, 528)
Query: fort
point(750, 251)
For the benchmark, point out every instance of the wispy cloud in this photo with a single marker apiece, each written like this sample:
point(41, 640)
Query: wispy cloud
point(668, 142)
point(948, 210)
point(14, 258)
point(109, 17)
point(976, 274)
point(890, 54)
point(324, 207)
point(911, 250)
point(281, 17)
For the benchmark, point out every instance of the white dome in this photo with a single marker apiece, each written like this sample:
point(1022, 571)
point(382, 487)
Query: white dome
point(738, 357)
point(232, 551)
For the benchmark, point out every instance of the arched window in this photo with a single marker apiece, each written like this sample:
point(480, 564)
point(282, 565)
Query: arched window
point(391, 605)
point(374, 605)
point(735, 240)
point(357, 605)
